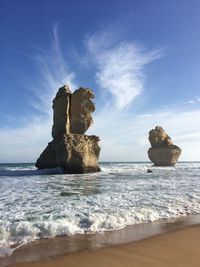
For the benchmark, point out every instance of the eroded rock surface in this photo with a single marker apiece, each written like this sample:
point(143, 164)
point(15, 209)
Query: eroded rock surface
point(162, 152)
point(81, 109)
point(159, 138)
point(71, 149)
point(74, 153)
point(61, 112)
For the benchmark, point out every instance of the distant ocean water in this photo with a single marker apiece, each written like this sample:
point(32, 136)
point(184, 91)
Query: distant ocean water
point(44, 204)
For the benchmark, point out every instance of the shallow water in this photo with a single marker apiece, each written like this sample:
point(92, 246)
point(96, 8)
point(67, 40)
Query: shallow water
point(41, 204)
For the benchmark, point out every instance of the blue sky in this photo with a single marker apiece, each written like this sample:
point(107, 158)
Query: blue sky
point(141, 58)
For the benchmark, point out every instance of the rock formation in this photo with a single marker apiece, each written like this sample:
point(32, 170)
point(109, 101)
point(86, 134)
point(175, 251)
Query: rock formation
point(61, 114)
point(70, 149)
point(162, 151)
point(81, 109)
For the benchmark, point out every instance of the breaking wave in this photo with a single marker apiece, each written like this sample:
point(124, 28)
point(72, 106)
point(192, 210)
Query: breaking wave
point(35, 205)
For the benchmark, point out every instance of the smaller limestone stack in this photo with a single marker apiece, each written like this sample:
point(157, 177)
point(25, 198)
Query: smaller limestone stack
point(162, 151)
point(70, 148)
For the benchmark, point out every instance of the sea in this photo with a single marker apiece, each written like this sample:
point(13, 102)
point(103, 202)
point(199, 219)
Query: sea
point(39, 204)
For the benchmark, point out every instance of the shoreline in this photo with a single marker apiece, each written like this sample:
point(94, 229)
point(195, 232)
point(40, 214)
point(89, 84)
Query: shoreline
point(177, 248)
point(45, 251)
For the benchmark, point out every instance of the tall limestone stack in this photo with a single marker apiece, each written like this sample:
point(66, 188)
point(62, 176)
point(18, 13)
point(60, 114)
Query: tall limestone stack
point(61, 114)
point(70, 148)
point(162, 151)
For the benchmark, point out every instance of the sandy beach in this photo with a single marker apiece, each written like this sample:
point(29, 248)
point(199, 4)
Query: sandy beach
point(177, 248)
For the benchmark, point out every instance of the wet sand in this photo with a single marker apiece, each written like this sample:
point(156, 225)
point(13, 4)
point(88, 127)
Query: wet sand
point(164, 243)
point(178, 248)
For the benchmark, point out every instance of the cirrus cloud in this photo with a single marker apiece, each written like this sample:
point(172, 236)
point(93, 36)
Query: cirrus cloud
point(120, 66)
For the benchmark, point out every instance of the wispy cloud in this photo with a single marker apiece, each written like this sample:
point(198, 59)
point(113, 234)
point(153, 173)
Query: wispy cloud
point(196, 100)
point(120, 66)
point(25, 143)
point(125, 137)
point(54, 73)
point(185, 104)
point(120, 73)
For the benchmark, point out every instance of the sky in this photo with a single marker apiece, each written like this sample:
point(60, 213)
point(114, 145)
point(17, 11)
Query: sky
point(141, 59)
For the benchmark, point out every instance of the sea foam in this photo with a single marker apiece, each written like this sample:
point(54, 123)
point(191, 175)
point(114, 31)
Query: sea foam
point(45, 205)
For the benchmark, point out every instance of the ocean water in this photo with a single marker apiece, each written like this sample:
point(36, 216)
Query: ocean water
point(44, 204)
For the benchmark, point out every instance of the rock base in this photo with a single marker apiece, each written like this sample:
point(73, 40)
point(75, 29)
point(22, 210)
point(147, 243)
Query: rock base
point(164, 156)
point(75, 153)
